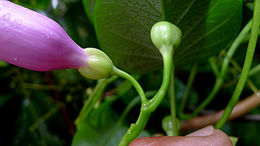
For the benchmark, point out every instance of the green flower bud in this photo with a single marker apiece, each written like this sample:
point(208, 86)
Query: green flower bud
point(165, 35)
point(98, 64)
point(167, 125)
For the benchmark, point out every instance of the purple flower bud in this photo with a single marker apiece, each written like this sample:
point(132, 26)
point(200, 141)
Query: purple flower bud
point(33, 41)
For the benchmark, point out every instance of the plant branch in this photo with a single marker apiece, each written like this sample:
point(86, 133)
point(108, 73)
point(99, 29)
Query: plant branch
point(189, 86)
point(214, 66)
point(173, 105)
point(167, 69)
point(137, 86)
point(246, 67)
point(243, 107)
point(93, 98)
point(148, 107)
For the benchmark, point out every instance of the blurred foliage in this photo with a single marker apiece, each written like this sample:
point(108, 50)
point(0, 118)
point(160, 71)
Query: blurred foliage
point(104, 128)
point(39, 108)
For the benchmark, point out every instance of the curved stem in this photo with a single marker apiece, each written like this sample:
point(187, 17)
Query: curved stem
point(93, 98)
point(128, 77)
point(131, 104)
point(214, 66)
point(167, 69)
point(246, 66)
point(148, 107)
point(136, 129)
point(234, 47)
point(213, 93)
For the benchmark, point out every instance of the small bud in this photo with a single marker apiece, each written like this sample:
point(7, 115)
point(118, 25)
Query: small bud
point(98, 64)
point(167, 125)
point(165, 35)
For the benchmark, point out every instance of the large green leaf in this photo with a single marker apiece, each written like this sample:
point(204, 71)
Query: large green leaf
point(123, 29)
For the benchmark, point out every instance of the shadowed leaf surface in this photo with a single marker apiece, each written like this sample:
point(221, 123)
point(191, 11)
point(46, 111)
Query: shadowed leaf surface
point(123, 29)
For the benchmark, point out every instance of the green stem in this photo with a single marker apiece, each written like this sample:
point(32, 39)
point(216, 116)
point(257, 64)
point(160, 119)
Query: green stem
point(133, 103)
point(124, 87)
point(214, 66)
point(137, 128)
point(246, 66)
point(173, 105)
point(137, 86)
point(254, 70)
point(220, 79)
point(148, 107)
point(249, 82)
point(189, 86)
point(252, 86)
point(167, 69)
point(234, 47)
point(213, 93)
point(93, 98)
point(162, 11)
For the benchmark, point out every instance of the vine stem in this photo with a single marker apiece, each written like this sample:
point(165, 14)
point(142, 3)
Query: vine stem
point(220, 78)
point(246, 66)
point(93, 98)
point(167, 69)
point(189, 86)
point(137, 86)
point(254, 70)
point(214, 66)
point(147, 107)
point(131, 105)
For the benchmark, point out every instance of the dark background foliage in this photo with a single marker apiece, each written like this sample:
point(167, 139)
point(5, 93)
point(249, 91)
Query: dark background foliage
point(39, 108)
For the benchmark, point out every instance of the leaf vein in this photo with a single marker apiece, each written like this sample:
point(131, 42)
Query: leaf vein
point(195, 42)
point(182, 16)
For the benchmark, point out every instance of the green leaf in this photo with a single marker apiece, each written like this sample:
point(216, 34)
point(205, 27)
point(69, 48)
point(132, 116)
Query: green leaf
point(89, 6)
point(100, 128)
point(233, 140)
point(123, 29)
point(3, 64)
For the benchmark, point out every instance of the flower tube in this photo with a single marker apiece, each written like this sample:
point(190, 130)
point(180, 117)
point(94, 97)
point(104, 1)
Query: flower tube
point(33, 41)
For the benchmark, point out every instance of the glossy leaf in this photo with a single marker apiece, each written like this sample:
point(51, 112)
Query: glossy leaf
point(123, 29)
